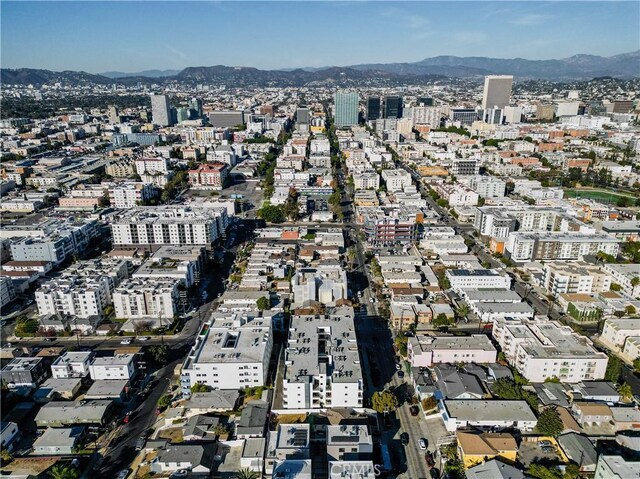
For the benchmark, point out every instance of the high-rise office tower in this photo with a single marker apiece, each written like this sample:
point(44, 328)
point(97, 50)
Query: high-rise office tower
point(195, 105)
point(161, 110)
point(373, 108)
point(182, 114)
point(346, 104)
point(302, 115)
point(114, 117)
point(497, 91)
point(393, 106)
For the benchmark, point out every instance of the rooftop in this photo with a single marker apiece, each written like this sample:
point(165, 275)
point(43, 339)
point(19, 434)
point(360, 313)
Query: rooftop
point(489, 410)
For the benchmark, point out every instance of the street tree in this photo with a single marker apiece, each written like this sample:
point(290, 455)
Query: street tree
point(383, 402)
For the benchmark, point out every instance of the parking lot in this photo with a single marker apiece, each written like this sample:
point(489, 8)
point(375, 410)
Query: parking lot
point(535, 452)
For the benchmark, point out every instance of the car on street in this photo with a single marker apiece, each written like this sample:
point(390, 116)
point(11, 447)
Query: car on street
point(428, 457)
point(371, 300)
point(414, 410)
point(50, 340)
point(404, 439)
point(422, 444)
point(126, 341)
point(144, 338)
point(140, 443)
point(400, 374)
point(127, 418)
point(435, 473)
point(398, 367)
point(123, 474)
point(179, 473)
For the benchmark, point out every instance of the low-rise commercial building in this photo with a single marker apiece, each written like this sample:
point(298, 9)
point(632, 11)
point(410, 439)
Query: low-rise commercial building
point(490, 414)
point(425, 351)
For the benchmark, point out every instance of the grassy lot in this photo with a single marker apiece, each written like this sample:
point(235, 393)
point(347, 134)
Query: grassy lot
point(291, 418)
point(173, 434)
point(597, 194)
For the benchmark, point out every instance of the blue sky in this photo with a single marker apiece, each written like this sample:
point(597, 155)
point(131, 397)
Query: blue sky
point(133, 36)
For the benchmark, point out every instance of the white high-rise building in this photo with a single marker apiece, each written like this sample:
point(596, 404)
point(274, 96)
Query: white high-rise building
point(430, 115)
point(161, 110)
point(497, 91)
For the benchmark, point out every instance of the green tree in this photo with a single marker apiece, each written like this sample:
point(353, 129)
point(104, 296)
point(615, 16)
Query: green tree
point(614, 369)
point(401, 344)
point(26, 326)
point(383, 402)
point(625, 392)
point(549, 422)
point(165, 401)
point(630, 310)
point(159, 353)
point(245, 473)
point(635, 281)
point(572, 471)
point(636, 364)
point(63, 471)
point(442, 320)
point(263, 303)
point(200, 388)
point(615, 287)
point(271, 214)
point(5, 457)
point(542, 472)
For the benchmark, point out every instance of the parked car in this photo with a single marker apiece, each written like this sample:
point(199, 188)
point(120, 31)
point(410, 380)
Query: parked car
point(400, 374)
point(398, 367)
point(422, 444)
point(123, 474)
point(404, 439)
point(140, 443)
point(414, 410)
point(429, 458)
point(144, 338)
point(126, 341)
point(127, 417)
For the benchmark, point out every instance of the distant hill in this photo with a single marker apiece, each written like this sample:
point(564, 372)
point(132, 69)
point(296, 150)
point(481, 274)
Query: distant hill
point(30, 76)
point(577, 67)
point(144, 73)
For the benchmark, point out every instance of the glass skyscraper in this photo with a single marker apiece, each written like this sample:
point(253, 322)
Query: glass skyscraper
point(346, 104)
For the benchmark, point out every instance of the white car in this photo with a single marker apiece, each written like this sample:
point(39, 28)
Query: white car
point(398, 367)
point(422, 445)
point(371, 300)
point(126, 341)
point(144, 338)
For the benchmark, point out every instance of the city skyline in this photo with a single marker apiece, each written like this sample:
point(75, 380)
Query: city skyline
point(134, 36)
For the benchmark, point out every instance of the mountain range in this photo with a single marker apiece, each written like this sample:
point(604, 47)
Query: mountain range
point(577, 67)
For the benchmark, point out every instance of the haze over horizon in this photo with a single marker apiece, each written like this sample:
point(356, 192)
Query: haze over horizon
point(283, 35)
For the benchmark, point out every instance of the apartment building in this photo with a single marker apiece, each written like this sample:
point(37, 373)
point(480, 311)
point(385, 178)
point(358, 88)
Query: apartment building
point(626, 275)
point(130, 195)
point(72, 364)
point(396, 180)
point(558, 245)
point(209, 176)
point(152, 165)
point(232, 351)
point(616, 331)
point(364, 180)
point(485, 186)
point(24, 372)
point(542, 350)
point(83, 290)
point(562, 277)
point(56, 241)
point(174, 225)
point(388, 226)
point(464, 167)
point(425, 351)
point(478, 279)
point(322, 363)
point(349, 442)
point(139, 298)
point(457, 194)
point(498, 222)
point(324, 285)
point(120, 366)
point(7, 291)
point(121, 168)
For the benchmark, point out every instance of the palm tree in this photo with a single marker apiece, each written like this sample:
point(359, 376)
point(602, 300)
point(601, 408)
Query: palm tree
point(635, 281)
point(462, 311)
point(245, 473)
point(63, 471)
point(625, 392)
